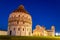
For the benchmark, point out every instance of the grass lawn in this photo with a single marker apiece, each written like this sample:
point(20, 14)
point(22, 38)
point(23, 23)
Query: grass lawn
point(28, 38)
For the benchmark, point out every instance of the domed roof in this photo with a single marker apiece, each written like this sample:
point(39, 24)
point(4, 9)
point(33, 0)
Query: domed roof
point(38, 26)
point(52, 26)
point(20, 9)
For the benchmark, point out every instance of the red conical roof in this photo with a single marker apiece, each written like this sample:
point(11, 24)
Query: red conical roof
point(20, 9)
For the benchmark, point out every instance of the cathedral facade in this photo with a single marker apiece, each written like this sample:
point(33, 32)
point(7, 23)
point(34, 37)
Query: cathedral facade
point(41, 31)
point(20, 22)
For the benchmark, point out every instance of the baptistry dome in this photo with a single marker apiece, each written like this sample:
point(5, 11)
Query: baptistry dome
point(20, 22)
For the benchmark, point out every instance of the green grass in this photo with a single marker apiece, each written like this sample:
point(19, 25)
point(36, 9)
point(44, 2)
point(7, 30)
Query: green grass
point(27, 38)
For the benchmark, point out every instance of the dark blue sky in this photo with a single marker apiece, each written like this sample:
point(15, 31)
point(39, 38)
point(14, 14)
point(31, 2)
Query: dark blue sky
point(43, 12)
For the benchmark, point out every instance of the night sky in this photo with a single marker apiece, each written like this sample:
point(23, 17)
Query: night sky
point(43, 12)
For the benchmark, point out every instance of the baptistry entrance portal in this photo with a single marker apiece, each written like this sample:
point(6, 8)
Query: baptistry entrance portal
point(10, 32)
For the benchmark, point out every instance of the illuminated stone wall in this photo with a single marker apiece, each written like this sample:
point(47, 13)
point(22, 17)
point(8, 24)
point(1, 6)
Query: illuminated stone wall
point(41, 31)
point(3, 32)
point(20, 23)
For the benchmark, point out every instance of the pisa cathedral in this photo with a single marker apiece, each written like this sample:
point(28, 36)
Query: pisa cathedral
point(20, 24)
point(41, 31)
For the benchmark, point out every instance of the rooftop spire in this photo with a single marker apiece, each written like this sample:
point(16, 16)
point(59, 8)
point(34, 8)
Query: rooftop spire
point(20, 9)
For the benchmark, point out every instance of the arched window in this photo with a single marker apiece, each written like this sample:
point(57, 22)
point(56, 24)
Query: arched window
point(23, 22)
point(18, 29)
point(23, 29)
point(19, 16)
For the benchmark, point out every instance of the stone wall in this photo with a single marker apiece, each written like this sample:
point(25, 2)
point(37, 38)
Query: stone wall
point(3, 32)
